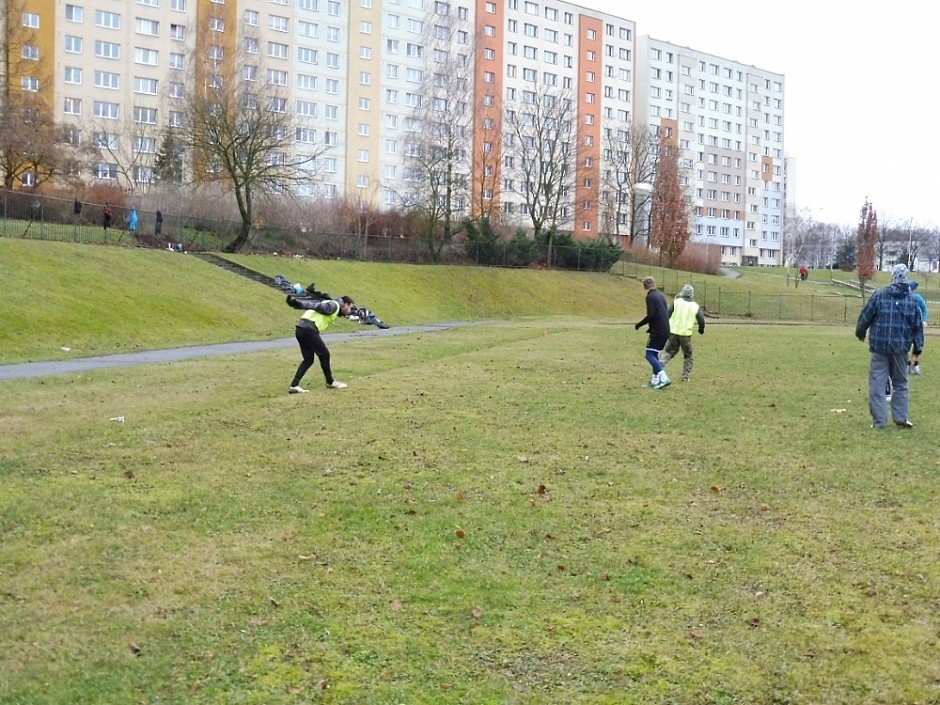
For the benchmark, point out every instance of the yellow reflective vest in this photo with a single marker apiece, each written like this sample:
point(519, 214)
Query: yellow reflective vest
point(683, 318)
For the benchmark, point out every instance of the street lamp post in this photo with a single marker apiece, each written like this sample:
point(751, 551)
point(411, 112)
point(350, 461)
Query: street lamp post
point(910, 244)
point(641, 192)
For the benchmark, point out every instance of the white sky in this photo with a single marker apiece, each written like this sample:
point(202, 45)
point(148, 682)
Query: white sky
point(862, 91)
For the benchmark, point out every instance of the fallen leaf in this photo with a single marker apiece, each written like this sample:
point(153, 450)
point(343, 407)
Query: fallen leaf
point(477, 613)
point(136, 650)
point(396, 605)
point(461, 533)
point(542, 489)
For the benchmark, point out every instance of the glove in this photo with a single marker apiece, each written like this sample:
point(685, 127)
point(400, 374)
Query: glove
point(701, 332)
point(918, 352)
point(292, 301)
point(636, 326)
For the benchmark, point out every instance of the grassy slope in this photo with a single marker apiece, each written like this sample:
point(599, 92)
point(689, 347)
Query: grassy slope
point(99, 300)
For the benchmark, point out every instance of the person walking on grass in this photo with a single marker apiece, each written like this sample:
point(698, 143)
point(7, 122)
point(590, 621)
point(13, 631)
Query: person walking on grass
point(658, 320)
point(684, 316)
point(914, 363)
point(893, 323)
point(316, 318)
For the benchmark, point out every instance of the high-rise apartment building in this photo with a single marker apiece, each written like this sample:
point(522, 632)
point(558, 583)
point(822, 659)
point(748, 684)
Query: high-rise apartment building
point(729, 120)
point(523, 101)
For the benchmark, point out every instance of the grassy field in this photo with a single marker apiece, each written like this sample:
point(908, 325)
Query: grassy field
point(495, 514)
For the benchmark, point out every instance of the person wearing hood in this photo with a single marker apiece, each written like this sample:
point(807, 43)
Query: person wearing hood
point(914, 363)
point(892, 321)
point(684, 316)
point(316, 318)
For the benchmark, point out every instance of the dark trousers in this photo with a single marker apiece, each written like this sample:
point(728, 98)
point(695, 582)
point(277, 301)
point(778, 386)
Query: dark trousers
point(311, 347)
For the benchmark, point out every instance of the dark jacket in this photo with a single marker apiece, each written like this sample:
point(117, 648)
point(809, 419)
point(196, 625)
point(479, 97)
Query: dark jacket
point(892, 320)
point(657, 318)
point(329, 309)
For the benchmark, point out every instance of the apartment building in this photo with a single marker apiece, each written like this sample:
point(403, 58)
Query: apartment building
point(369, 81)
point(729, 119)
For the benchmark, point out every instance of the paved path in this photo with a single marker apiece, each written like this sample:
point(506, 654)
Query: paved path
point(62, 367)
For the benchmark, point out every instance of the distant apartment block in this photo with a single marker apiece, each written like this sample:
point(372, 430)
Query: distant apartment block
point(729, 118)
point(361, 78)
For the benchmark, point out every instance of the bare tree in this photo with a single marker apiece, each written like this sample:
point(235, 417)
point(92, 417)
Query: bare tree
point(438, 161)
point(630, 159)
point(542, 139)
point(130, 149)
point(867, 238)
point(670, 232)
point(33, 148)
point(242, 136)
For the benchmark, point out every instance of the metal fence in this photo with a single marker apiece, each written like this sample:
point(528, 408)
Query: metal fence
point(25, 215)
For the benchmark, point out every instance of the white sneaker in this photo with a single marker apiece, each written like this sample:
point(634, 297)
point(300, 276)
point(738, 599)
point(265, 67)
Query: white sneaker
point(337, 385)
point(663, 382)
point(297, 389)
point(916, 369)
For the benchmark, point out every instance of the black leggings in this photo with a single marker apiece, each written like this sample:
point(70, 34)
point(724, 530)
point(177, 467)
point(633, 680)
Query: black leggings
point(311, 347)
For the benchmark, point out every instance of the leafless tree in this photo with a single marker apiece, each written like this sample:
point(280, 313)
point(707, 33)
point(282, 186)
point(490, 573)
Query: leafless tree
point(630, 159)
point(541, 137)
point(33, 148)
point(241, 134)
point(131, 148)
point(438, 159)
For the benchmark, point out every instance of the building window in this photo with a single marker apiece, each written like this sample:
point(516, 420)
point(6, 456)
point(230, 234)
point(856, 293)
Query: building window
point(145, 86)
point(73, 106)
point(107, 50)
point(74, 13)
point(110, 20)
point(108, 111)
point(104, 170)
point(145, 116)
point(150, 57)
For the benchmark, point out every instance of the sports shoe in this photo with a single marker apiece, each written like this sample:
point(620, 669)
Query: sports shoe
point(297, 389)
point(663, 382)
point(336, 384)
point(916, 369)
point(904, 424)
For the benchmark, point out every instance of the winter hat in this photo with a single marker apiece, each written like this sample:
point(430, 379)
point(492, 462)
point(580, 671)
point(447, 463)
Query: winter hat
point(899, 274)
point(687, 292)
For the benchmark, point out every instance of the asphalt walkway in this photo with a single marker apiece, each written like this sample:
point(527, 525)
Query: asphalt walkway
point(148, 357)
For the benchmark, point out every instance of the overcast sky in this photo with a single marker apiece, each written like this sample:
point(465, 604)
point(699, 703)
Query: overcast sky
point(862, 91)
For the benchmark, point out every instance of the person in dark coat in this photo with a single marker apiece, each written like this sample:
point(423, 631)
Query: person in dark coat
point(657, 317)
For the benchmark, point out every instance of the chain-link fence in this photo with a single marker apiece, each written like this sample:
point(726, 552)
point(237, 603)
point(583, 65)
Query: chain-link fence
point(33, 216)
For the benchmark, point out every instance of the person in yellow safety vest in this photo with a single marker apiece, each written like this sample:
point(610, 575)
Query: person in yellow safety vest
point(684, 316)
point(317, 317)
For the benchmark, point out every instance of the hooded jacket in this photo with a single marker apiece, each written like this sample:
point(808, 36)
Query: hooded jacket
point(892, 320)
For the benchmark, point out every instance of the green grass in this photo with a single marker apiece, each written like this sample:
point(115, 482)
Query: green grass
point(495, 514)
